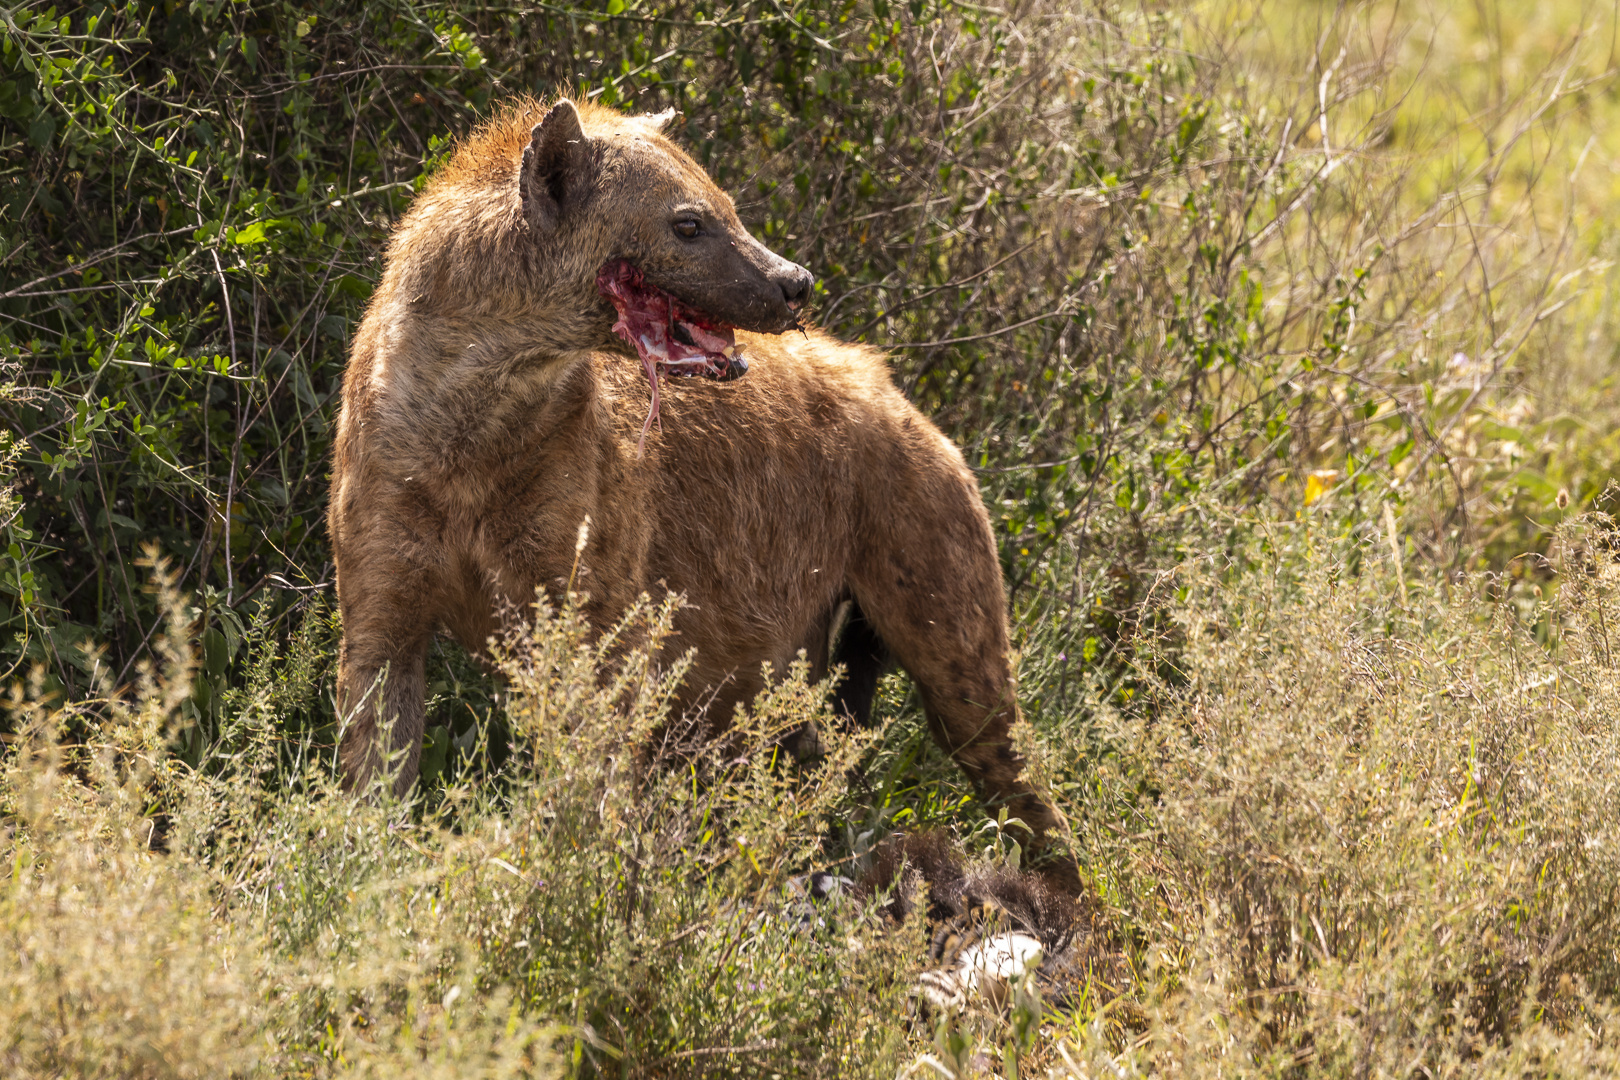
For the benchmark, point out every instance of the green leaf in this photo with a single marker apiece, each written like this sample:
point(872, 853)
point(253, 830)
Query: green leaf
point(258, 232)
point(435, 753)
point(359, 288)
point(215, 654)
point(41, 131)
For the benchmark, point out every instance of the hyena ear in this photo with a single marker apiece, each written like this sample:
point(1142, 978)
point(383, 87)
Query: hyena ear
point(556, 167)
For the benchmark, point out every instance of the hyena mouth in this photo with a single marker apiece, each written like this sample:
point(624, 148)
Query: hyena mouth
point(670, 338)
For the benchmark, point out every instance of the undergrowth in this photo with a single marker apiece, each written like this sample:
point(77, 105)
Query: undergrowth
point(615, 906)
point(1355, 822)
point(1365, 825)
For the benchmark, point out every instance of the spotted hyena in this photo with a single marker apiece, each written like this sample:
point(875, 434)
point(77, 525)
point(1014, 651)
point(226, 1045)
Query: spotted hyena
point(537, 302)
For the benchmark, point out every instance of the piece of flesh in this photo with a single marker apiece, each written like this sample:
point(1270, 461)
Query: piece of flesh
point(669, 337)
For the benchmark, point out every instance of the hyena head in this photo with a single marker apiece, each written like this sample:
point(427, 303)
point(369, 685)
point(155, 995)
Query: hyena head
point(668, 255)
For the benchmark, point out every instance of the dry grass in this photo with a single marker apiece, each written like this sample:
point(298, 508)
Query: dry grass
point(1366, 826)
point(598, 909)
point(1353, 823)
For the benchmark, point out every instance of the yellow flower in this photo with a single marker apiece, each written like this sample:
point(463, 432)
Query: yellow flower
point(1319, 483)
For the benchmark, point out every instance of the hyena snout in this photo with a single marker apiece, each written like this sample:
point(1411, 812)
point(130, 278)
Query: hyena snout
point(790, 279)
point(796, 286)
point(730, 283)
point(769, 304)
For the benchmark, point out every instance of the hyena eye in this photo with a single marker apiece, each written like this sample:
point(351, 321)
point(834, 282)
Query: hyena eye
point(687, 228)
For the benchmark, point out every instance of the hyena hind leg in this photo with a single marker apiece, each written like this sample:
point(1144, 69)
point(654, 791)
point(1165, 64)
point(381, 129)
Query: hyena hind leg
point(933, 596)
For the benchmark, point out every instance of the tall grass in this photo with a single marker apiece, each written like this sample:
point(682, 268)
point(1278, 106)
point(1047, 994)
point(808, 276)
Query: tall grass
point(606, 908)
point(1356, 820)
point(1365, 825)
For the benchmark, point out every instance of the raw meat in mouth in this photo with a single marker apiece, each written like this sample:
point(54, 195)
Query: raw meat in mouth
point(670, 338)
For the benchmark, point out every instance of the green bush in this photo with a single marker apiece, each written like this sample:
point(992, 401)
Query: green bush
point(1087, 249)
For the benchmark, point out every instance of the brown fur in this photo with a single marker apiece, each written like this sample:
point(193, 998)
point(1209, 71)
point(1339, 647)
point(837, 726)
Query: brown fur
point(487, 410)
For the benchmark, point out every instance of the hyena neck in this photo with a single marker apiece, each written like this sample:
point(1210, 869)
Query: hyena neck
point(485, 309)
point(472, 337)
point(464, 393)
point(472, 261)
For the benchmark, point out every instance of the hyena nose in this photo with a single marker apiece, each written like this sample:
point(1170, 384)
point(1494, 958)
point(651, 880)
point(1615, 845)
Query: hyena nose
point(796, 287)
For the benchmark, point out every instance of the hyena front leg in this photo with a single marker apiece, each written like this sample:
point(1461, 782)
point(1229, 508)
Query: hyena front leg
point(381, 697)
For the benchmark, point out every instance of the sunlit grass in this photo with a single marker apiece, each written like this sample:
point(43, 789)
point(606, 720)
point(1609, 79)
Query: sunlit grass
point(1482, 143)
